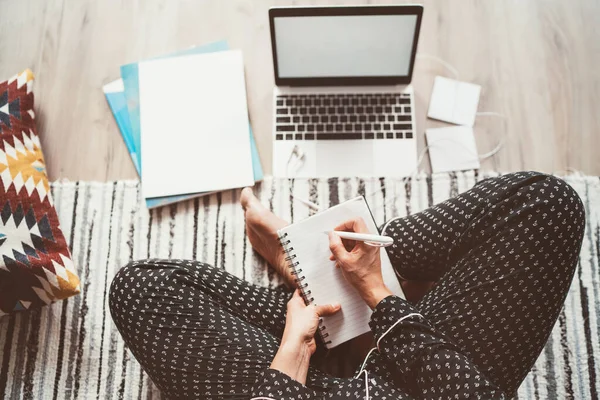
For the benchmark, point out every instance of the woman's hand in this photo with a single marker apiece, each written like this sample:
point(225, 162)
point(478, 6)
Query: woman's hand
point(298, 341)
point(360, 263)
point(302, 321)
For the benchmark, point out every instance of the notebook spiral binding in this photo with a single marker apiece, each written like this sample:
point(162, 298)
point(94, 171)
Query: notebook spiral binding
point(306, 293)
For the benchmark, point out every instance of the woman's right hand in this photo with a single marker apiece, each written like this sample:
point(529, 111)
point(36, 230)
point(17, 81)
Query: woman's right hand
point(360, 263)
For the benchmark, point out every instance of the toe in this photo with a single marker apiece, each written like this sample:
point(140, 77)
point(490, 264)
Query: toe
point(247, 197)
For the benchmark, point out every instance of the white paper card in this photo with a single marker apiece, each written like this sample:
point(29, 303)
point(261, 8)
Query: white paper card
point(452, 149)
point(454, 101)
point(194, 124)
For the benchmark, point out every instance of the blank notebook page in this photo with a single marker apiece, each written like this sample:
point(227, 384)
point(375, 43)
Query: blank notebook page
point(325, 282)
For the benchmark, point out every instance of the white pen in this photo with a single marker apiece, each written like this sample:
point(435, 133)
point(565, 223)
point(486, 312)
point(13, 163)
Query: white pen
point(371, 240)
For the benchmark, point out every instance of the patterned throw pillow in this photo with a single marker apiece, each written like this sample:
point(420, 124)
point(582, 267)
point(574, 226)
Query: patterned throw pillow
point(35, 263)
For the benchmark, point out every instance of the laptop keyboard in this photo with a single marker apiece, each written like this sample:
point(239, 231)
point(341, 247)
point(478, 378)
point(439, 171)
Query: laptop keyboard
point(343, 116)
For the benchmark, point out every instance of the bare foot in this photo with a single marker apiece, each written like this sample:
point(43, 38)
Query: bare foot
point(261, 228)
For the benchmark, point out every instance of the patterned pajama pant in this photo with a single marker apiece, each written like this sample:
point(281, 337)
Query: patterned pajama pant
point(503, 255)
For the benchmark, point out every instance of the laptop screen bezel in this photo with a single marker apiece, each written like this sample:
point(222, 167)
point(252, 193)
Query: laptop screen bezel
point(282, 12)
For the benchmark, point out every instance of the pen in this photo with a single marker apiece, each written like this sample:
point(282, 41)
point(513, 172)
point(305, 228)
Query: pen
point(371, 240)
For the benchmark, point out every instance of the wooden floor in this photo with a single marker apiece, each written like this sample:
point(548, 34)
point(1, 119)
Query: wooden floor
point(538, 63)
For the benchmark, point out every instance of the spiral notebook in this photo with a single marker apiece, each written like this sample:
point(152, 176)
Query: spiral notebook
point(307, 248)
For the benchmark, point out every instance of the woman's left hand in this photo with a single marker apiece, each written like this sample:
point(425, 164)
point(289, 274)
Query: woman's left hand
point(302, 321)
point(298, 341)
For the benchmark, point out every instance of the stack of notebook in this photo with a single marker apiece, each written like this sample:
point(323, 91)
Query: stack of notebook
point(184, 120)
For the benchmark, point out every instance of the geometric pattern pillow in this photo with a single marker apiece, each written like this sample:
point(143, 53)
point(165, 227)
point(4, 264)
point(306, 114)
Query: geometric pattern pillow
point(35, 263)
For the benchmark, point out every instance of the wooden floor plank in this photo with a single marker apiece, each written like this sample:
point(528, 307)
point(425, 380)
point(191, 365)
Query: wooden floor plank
point(536, 62)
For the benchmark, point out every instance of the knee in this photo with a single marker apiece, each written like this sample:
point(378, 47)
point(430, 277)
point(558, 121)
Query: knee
point(135, 281)
point(559, 214)
point(143, 279)
point(563, 195)
point(548, 206)
point(128, 276)
point(123, 289)
point(560, 201)
point(551, 193)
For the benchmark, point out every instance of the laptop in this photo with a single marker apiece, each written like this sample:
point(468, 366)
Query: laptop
point(343, 104)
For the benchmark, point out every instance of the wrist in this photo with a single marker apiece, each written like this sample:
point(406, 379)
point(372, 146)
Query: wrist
point(294, 347)
point(374, 295)
point(291, 339)
point(293, 359)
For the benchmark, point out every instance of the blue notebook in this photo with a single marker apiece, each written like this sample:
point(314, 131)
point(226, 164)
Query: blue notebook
point(115, 96)
point(123, 98)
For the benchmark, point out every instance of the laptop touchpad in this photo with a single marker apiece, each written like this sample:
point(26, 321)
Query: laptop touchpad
point(345, 158)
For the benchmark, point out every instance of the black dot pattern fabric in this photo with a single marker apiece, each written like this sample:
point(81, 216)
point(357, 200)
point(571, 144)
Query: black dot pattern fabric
point(503, 255)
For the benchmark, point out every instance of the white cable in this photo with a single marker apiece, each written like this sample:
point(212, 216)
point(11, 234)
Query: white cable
point(483, 156)
point(396, 323)
point(502, 138)
point(411, 176)
point(362, 367)
point(262, 398)
point(366, 384)
point(425, 150)
point(439, 60)
point(420, 159)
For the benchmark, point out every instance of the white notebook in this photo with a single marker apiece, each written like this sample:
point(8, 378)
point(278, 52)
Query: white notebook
point(194, 124)
point(307, 247)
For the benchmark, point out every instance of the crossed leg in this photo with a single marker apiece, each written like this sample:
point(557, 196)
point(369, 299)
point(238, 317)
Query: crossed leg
point(503, 255)
point(200, 331)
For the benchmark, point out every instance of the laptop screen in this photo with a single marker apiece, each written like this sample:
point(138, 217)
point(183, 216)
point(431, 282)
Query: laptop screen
point(345, 49)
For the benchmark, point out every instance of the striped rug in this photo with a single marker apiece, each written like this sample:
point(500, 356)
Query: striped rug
point(72, 350)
